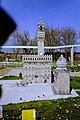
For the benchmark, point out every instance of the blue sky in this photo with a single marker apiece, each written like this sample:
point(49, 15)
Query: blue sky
point(56, 13)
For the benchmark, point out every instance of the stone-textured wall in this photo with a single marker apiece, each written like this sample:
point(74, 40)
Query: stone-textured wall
point(38, 68)
point(62, 82)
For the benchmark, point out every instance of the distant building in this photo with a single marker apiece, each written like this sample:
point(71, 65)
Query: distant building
point(38, 67)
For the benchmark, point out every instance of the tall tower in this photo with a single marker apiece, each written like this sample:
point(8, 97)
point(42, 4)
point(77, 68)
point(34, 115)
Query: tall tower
point(40, 38)
point(38, 67)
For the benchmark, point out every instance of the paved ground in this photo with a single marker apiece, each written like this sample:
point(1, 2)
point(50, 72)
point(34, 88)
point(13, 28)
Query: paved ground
point(5, 71)
point(75, 74)
point(16, 71)
point(37, 91)
point(77, 89)
point(12, 71)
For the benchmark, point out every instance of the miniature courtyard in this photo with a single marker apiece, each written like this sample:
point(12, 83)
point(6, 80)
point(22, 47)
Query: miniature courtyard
point(38, 91)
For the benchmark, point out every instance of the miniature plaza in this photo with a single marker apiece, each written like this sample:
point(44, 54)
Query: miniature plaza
point(39, 82)
point(38, 91)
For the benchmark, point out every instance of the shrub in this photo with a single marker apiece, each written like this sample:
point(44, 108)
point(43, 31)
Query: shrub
point(20, 98)
point(74, 68)
point(20, 75)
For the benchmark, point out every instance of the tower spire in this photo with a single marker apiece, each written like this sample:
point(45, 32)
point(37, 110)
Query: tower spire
point(40, 20)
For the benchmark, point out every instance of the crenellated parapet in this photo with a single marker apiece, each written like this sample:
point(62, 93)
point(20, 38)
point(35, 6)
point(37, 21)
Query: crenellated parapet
point(37, 58)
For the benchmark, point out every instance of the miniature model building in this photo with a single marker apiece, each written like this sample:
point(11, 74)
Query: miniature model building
point(61, 77)
point(38, 67)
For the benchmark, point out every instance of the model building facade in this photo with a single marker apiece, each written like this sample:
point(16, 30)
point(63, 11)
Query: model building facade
point(38, 67)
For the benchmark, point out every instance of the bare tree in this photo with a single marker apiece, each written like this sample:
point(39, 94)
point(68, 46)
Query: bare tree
point(34, 42)
point(69, 37)
point(62, 36)
point(22, 39)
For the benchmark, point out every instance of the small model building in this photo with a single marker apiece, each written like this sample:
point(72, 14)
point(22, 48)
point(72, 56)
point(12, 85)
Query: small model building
point(61, 77)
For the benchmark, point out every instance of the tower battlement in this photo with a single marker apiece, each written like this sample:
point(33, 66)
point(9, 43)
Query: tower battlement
point(37, 58)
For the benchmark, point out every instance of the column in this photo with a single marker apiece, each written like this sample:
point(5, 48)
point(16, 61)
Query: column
point(72, 57)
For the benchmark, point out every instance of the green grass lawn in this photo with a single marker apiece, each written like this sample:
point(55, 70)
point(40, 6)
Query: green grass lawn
point(10, 78)
point(75, 82)
point(74, 68)
point(62, 109)
point(18, 60)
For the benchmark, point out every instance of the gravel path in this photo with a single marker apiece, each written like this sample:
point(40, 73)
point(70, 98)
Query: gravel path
point(37, 91)
point(75, 74)
point(5, 71)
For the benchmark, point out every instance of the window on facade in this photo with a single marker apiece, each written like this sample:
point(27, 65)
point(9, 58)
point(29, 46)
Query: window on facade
point(45, 81)
point(36, 76)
